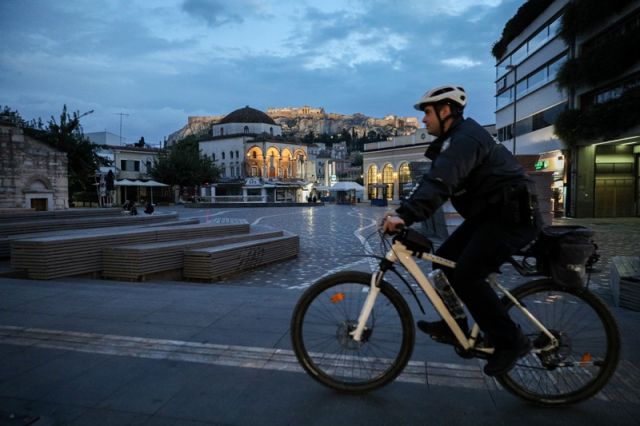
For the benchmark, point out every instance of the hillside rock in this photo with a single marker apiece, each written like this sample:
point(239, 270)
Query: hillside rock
point(298, 122)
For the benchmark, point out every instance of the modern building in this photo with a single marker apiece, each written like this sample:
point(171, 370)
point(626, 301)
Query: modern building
point(32, 173)
point(562, 66)
point(257, 163)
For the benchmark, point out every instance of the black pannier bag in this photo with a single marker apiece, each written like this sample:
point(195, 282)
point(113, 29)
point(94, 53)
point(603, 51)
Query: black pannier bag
point(562, 252)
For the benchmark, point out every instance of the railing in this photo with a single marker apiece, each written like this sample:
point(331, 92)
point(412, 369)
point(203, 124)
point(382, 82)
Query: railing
point(232, 199)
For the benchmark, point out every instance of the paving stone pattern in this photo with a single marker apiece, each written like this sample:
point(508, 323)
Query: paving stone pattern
point(329, 242)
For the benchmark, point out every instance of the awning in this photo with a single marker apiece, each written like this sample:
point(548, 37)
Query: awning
point(346, 186)
point(127, 182)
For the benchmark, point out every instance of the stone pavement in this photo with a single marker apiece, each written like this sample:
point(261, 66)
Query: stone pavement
point(79, 351)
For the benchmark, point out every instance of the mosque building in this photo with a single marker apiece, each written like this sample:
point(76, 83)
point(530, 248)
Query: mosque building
point(257, 163)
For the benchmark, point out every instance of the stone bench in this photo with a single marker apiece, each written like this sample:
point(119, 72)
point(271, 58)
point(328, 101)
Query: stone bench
point(214, 263)
point(11, 230)
point(25, 215)
point(138, 261)
point(625, 281)
point(80, 252)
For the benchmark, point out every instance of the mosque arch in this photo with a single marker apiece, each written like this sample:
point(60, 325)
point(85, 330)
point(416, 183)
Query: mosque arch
point(388, 180)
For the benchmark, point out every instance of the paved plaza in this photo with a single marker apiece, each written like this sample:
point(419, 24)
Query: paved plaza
point(80, 351)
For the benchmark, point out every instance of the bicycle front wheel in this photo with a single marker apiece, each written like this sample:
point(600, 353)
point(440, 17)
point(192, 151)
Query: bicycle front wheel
point(588, 350)
point(320, 331)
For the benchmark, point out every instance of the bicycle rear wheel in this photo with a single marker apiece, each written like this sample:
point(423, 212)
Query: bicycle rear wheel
point(325, 315)
point(589, 345)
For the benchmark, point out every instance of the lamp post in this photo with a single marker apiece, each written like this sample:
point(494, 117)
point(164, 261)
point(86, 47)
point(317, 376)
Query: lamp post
point(515, 100)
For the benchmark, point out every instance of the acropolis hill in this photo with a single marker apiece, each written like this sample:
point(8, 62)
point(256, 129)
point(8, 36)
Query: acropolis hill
point(298, 122)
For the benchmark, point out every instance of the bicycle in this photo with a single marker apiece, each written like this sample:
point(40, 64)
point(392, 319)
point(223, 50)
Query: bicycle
point(354, 331)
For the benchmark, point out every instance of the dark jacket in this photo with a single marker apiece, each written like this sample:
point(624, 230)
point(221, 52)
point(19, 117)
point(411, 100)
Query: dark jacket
point(470, 168)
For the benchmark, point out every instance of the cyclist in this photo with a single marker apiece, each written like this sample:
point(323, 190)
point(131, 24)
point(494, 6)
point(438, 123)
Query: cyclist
point(491, 191)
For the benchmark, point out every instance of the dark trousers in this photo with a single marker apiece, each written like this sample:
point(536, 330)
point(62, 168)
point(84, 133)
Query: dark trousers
point(479, 246)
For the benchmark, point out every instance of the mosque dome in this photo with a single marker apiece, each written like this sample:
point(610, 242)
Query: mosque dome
point(247, 115)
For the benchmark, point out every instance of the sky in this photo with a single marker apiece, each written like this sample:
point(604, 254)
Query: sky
point(161, 61)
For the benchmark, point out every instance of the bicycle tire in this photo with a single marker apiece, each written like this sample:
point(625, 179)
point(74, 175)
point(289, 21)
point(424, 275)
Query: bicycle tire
point(589, 345)
point(324, 315)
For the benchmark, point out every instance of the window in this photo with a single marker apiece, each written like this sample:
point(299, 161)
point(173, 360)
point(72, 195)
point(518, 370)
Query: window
point(130, 165)
point(230, 154)
point(254, 155)
point(213, 156)
point(614, 92)
point(555, 66)
point(221, 131)
point(237, 154)
point(223, 155)
point(246, 130)
point(532, 123)
point(537, 79)
point(504, 98)
point(504, 133)
point(503, 67)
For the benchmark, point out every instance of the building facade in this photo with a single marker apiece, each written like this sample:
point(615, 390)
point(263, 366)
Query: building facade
point(127, 163)
point(391, 167)
point(32, 173)
point(257, 163)
point(551, 75)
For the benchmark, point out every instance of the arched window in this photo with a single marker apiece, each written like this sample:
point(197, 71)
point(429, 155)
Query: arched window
point(246, 130)
point(372, 180)
point(230, 154)
point(404, 179)
point(254, 154)
point(221, 131)
point(271, 130)
point(223, 155)
point(387, 179)
point(237, 154)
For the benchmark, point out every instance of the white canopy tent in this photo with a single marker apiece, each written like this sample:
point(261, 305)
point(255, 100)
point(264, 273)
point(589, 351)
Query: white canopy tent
point(346, 186)
point(139, 183)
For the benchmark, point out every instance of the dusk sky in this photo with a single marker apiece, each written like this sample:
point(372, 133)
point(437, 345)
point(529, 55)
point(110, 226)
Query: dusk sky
point(161, 61)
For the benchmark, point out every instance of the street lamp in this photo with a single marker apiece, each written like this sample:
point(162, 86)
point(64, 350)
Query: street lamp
point(515, 99)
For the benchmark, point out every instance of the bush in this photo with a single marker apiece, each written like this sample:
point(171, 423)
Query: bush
point(525, 15)
point(600, 121)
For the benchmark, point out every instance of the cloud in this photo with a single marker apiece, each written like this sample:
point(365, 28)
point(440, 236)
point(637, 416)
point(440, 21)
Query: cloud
point(450, 8)
point(219, 12)
point(355, 49)
point(461, 62)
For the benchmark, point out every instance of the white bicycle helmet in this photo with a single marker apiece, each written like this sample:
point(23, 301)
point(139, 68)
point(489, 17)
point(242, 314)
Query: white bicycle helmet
point(451, 93)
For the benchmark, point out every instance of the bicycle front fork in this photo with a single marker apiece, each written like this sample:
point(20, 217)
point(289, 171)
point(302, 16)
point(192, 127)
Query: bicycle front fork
point(374, 289)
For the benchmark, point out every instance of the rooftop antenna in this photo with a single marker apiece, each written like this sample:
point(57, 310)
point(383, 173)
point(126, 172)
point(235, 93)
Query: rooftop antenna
point(121, 114)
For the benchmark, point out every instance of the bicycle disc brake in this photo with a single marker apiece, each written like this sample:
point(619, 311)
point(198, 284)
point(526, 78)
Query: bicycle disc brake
point(551, 359)
point(343, 334)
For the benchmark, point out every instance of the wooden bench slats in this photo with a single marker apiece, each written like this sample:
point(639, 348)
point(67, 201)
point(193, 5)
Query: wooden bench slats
point(138, 260)
point(625, 281)
point(215, 263)
point(80, 253)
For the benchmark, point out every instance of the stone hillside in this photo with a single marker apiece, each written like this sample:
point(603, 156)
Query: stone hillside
point(298, 124)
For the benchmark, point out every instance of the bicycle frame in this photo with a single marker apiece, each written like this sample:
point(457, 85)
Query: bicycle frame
point(400, 253)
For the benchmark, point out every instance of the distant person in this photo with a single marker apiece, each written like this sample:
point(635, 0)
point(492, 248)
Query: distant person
point(149, 208)
point(127, 205)
point(134, 209)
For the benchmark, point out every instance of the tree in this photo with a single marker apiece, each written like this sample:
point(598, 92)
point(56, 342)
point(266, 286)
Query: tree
point(183, 165)
point(83, 161)
point(141, 142)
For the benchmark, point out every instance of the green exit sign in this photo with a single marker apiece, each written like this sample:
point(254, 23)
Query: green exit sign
point(540, 165)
